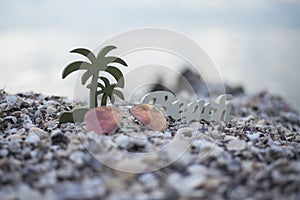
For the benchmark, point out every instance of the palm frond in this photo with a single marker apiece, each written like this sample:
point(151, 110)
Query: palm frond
point(85, 77)
point(119, 94)
point(100, 86)
point(89, 85)
point(117, 74)
point(74, 66)
point(85, 52)
point(113, 59)
point(104, 51)
point(105, 80)
point(99, 92)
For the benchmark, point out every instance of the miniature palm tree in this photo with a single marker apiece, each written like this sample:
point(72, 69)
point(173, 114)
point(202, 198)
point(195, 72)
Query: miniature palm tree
point(97, 64)
point(108, 91)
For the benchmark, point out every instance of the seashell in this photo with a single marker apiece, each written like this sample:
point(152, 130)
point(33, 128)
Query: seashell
point(150, 116)
point(103, 120)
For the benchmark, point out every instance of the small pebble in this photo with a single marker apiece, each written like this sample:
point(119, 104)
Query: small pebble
point(253, 136)
point(3, 152)
point(236, 145)
point(122, 141)
point(229, 137)
point(32, 138)
point(38, 132)
point(12, 118)
point(51, 110)
point(186, 132)
point(10, 99)
point(14, 137)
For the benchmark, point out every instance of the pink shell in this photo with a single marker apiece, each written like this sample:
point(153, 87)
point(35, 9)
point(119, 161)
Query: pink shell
point(150, 116)
point(103, 120)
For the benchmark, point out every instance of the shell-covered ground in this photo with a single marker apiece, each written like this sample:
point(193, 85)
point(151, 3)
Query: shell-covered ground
point(254, 156)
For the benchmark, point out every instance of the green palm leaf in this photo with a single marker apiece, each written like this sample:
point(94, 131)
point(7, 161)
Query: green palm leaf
point(85, 52)
point(74, 66)
point(105, 80)
point(89, 85)
point(85, 77)
point(113, 59)
point(117, 74)
point(100, 92)
point(119, 94)
point(104, 51)
point(100, 86)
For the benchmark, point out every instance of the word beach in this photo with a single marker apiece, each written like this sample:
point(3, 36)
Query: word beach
point(194, 111)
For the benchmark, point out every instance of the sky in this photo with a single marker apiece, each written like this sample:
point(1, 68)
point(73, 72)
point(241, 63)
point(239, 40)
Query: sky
point(253, 43)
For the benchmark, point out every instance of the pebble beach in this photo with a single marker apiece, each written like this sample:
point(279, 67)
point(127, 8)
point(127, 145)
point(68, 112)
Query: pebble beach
point(256, 155)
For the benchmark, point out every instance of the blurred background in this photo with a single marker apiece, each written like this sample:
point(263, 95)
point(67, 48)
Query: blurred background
point(252, 43)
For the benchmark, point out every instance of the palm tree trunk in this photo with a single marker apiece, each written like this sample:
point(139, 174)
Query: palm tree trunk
point(93, 92)
point(104, 100)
